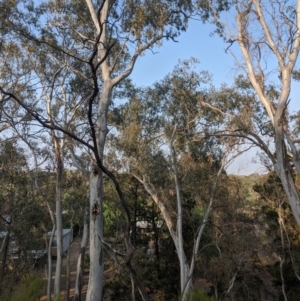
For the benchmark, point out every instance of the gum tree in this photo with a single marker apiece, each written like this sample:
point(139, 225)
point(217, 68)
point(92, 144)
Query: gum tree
point(99, 44)
point(162, 140)
point(268, 36)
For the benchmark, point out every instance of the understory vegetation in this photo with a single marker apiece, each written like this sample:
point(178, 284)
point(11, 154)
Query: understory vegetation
point(139, 175)
point(249, 234)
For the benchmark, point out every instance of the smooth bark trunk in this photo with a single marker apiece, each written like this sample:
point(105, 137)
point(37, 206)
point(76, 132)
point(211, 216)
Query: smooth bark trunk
point(286, 63)
point(59, 255)
point(109, 81)
point(52, 216)
point(68, 260)
point(284, 172)
point(49, 279)
point(85, 235)
point(80, 261)
point(49, 246)
point(58, 145)
point(59, 250)
point(184, 268)
point(132, 290)
point(282, 260)
point(95, 285)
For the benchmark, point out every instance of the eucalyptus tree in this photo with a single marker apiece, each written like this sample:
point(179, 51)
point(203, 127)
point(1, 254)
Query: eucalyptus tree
point(20, 211)
point(19, 125)
point(99, 44)
point(282, 234)
point(163, 144)
point(138, 26)
point(47, 198)
point(45, 95)
point(268, 36)
point(83, 168)
point(9, 197)
point(229, 255)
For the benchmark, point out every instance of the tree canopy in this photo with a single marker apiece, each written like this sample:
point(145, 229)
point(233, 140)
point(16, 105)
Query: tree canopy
point(142, 171)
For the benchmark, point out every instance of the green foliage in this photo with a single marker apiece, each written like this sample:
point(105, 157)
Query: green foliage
point(296, 75)
point(199, 295)
point(75, 198)
point(112, 210)
point(18, 200)
point(282, 233)
point(146, 126)
point(30, 288)
point(86, 261)
point(290, 280)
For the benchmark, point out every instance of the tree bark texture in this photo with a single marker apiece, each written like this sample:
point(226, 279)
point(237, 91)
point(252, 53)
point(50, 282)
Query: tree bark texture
point(58, 203)
point(286, 63)
point(95, 284)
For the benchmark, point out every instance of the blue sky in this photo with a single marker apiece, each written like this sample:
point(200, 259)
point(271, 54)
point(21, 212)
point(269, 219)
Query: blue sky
point(195, 42)
point(210, 51)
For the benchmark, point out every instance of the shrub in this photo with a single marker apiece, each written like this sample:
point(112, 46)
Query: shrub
point(199, 295)
point(29, 289)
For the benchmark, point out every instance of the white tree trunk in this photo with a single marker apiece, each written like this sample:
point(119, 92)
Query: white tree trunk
point(85, 236)
point(59, 161)
point(178, 242)
point(96, 185)
point(58, 145)
point(59, 250)
point(52, 216)
point(184, 267)
point(96, 198)
point(68, 280)
point(80, 260)
point(95, 285)
point(283, 170)
point(49, 279)
point(286, 62)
